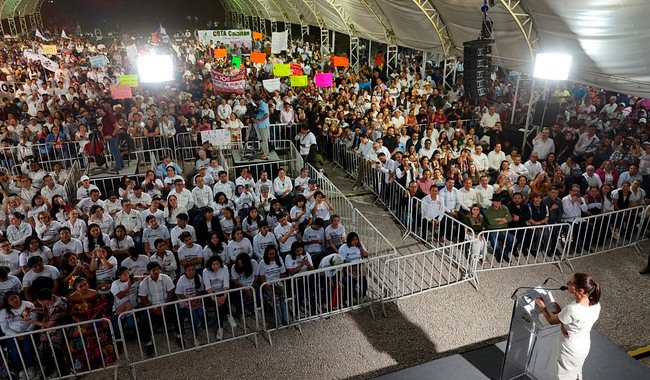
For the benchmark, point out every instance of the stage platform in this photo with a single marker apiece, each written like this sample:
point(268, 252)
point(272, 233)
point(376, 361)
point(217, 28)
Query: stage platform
point(240, 161)
point(605, 361)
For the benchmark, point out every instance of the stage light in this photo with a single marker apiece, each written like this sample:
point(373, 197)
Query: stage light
point(552, 66)
point(155, 68)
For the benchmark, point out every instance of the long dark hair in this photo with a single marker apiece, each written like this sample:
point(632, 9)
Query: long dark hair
point(246, 264)
point(215, 248)
point(211, 260)
point(250, 220)
point(351, 236)
point(5, 299)
point(266, 259)
point(591, 288)
point(100, 239)
point(295, 245)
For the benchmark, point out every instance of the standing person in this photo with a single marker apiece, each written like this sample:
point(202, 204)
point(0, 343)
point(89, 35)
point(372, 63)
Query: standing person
point(110, 130)
point(263, 124)
point(577, 319)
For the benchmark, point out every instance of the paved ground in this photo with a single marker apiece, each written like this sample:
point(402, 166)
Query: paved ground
point(424, 327)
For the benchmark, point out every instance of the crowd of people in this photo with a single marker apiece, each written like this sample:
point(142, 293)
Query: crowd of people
point(174, 235)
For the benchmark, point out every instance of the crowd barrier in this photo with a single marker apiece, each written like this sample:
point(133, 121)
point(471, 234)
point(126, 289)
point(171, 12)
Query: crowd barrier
point(71, 183)
point(605, 232)
point(407, 275)
point(320, 293)
point(435, 233)
point(188, 324)
point(289, 159)
point(66, 351)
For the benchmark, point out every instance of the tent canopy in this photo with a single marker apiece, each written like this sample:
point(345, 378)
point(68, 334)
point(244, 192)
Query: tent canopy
point(604, 37)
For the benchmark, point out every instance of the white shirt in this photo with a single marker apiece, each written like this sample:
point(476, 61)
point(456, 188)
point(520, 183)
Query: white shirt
point(534, 168)
point(283, 230)
point(305, 142)
point(544, 148)
point(132, 221)
point(60, 248)
point(202, 196)
point(260, 242)
point(593, 180)
point(433, 208)
point(184, 198)
point(495, 159)
point(216, 281)
point(280, 186)
point(468, 198)
point(156, 291)
point(488, 121)
point(485, 195)
point(481, 162)
point(572, 210)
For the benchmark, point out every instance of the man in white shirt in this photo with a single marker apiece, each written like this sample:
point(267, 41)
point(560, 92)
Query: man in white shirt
point(592, 178)
point(468, 196)
point(306, 139)
point(131, 220)
point(587, 141)
point(139, 199)
point(183, 196)
point(369, 157)
point(156, 289)
point(202, 194)
point(480, 160)
point(397, 120)
point(489, 119)
point(433, 213)
point(533, 166)
point(286, 233)
point(543, 145)
point(224, 110)
point(224, 185)
point(485, 191)
point(51, 188)
point(426, 150)
point(85, 204)
point(495, 158)
point(518, 167)
point(451, 198)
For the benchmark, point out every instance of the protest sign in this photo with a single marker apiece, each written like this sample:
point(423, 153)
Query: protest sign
point(98, 61)
point(296, 69)
point(8, 90)
point(271, 85)
point(218, 137)
point(323, 79)
point(121, 91)
point(281, 70)
point(220, 53)
point(49, 49)
point(299, 81)
point(131, 80)
point(257, 36)
point(340, 61)
point(236, 61)
point(229, 83)
point(279, 42)
point(234, 38)
point(258, 57)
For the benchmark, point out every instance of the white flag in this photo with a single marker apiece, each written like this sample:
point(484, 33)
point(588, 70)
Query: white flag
point(279, 42)
point(132, 52)
point(271, 84)
point(39, 35)
point(63, 35)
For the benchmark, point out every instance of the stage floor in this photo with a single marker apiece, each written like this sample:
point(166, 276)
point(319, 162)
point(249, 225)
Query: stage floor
point(605, 361)
point(238, 160)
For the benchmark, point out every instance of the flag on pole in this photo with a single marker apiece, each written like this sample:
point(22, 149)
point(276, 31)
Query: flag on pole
point(39, 35)
point(63, 35)
point(162, 34)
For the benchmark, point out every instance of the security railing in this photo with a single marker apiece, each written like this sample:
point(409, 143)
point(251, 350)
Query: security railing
point(61, 352)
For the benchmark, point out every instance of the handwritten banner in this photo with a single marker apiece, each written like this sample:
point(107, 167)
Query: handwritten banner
point(271, 85)
point(121, 91)
point(281, 70)
point(131, 80)
point(258, 57)
point(98, 61)
point(49, 49)
point(226, 83)
point(323, 79)
point(340, 61)
point(220, 53)
point(218, 137)
point(296, 69)
point(299, 81)
point(279, 42)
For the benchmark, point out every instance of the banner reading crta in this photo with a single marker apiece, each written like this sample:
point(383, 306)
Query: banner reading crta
point(235, 38)
point(229, 83)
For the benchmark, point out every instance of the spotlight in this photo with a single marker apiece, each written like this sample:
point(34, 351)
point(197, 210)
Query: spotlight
point(155, 68)
point(552, 66)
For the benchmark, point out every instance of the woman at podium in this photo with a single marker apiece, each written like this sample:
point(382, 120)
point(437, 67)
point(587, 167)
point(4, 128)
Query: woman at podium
point(568, 356)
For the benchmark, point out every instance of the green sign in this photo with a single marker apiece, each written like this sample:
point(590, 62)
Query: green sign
point(131, 80)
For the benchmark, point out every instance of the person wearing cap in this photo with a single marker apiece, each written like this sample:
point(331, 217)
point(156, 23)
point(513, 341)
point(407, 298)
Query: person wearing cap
point(497, 217)
point(84, 190)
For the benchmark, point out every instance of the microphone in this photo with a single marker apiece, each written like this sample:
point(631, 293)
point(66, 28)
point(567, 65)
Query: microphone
point(562, 287)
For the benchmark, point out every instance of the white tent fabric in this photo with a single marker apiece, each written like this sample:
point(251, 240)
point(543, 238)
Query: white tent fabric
point(605, 37)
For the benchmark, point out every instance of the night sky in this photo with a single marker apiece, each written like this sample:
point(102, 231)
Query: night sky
point(135, 16)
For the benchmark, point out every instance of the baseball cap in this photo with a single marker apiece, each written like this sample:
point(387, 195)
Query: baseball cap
point(84, 178)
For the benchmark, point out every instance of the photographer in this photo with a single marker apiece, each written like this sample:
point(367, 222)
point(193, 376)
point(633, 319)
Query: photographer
point(110, 130)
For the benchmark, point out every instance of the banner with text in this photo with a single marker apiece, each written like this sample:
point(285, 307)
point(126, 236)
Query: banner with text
point(131, 80)
point(279, 42)
point(218, 137)
point(8, 90)
point(229, 83)
point(235, 38)
point(121, 91)
point(271, 85)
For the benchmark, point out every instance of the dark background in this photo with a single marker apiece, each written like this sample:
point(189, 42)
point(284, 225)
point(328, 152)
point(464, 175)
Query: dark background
point(132, 16)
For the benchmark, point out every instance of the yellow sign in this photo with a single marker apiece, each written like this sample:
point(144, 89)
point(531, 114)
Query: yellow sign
point(131, 80)
point(299, 81)
point(49, 49)
point(283, 70)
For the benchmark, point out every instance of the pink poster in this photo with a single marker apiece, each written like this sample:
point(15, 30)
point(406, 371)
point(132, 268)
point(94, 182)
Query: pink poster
point(323, 80)
point(121, 91)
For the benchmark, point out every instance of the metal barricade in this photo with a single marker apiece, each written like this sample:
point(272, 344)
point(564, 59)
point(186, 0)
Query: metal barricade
point(58, 352)
point(108, 184)
point(445, 231)
point(289, 160)
point(320, 293)
point(183, 325)
point(416, 273)
point(65, 153)
point(283, 131)
point(605, 232)
point(187, 144)
point(71, 184)
point(523, 246)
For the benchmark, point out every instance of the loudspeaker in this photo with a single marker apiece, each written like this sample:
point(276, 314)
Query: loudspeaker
point(477, 62)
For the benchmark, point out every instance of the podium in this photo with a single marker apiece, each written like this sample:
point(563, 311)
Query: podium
point(531, 337)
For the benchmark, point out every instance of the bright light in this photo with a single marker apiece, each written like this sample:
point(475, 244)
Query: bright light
point(155, 68)
point(552, 66)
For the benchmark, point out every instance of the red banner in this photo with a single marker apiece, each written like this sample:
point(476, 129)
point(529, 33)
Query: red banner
point(296, 69)
point(229, 83)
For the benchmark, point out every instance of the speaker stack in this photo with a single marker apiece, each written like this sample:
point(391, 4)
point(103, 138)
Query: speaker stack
point(477, 64)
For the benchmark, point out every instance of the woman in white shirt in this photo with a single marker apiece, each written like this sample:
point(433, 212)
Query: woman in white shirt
point(353, 251)
point(283, 188)
point(577, 319)
point(77, 226)
point(121, 242)
point(190, 285)
point(272, 268)
point(244, 273)
point(239, 245)
point(101, 219)
point(47, 229)
point(216, 279)
point(18, 230)
point(234, 125)
point(16, 318)
point(216, 246)
point(172, 209)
